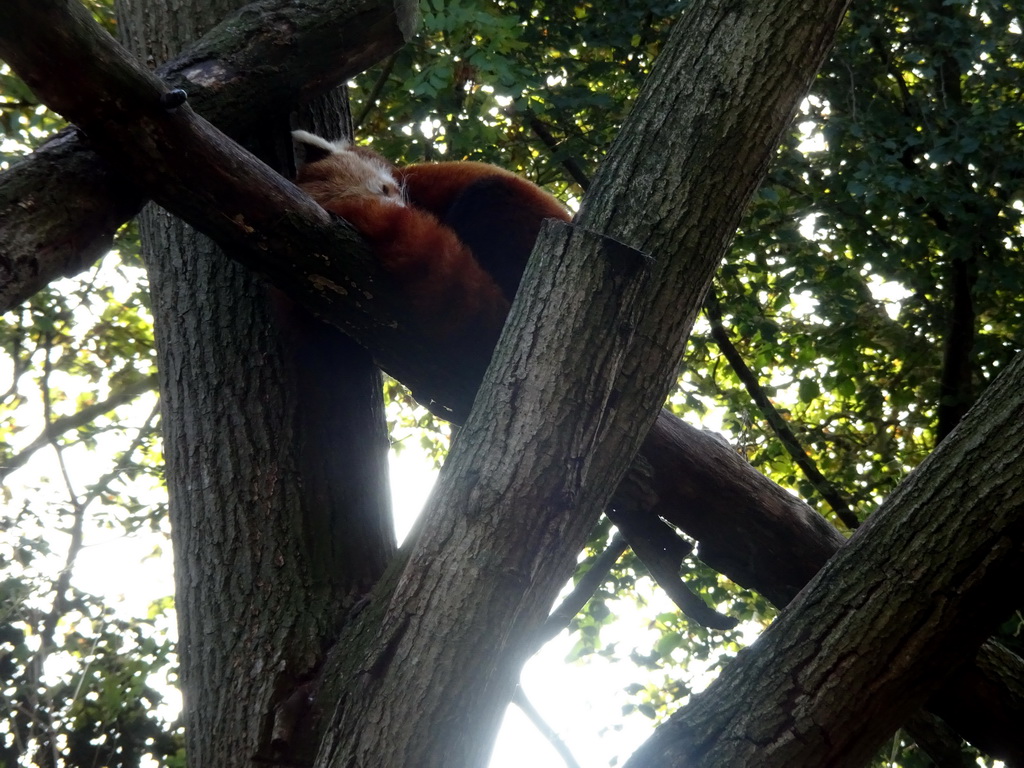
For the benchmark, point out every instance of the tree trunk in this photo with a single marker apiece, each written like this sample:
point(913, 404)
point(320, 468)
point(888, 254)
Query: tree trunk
point(587, 356)
point(276, 452)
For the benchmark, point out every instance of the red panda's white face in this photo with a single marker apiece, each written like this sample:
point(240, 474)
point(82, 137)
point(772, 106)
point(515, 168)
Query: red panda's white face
point(356, 175)
point(339, 170)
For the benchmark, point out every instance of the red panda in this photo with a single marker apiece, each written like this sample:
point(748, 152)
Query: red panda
point(457, 235)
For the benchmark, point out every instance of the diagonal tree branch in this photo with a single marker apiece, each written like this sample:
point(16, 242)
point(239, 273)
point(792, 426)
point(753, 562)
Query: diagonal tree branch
point(828, 491)
point(59, 210)
point(60, 207)
point(549, 733)
point(929, 575)
point(580, 595)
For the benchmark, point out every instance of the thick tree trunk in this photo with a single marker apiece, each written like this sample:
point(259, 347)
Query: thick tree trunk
point(587, 356)
point(276, 452)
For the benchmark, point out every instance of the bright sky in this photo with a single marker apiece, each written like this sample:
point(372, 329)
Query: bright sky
point(581, 701)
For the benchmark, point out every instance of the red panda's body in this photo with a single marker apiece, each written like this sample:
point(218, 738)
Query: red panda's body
point(497, 214)
point(456, 235)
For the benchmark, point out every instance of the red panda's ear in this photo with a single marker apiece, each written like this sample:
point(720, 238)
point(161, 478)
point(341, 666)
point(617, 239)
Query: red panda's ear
point(314, 148)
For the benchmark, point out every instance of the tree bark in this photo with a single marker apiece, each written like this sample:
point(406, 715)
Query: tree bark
point(747, 526)
point(59, 210)
point(588, 353)
point(60, 207)
point(276, 452)
point(911, 596)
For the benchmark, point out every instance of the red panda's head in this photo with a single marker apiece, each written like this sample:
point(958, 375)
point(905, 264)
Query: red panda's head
point(338, 170)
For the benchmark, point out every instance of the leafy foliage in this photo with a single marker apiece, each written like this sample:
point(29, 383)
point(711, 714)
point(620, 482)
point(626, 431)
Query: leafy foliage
point(79, 455)
point(78, 683)
point(892, 215)
point(531, 86)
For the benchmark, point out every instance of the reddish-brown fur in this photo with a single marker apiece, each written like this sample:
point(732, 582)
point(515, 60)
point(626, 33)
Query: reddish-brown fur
point(435, 186)
point(449, 288)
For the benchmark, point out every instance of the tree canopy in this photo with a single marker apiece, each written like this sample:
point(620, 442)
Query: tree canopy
point(867, 301)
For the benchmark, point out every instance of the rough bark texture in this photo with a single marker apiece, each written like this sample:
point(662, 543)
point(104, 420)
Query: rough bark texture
point(508, 516)
point(911, 596)
point(749, 528)
point(985, 702)
point(59, 210)
point(588, 352)
point(764, 538)
point(279, 498)
point(276, 453)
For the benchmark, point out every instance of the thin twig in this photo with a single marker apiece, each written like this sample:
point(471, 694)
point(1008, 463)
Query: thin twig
point(573, 603)
point(789, 441)
point(63, 424)
point(374, 95)
point(549, 733)
point(104, 482)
